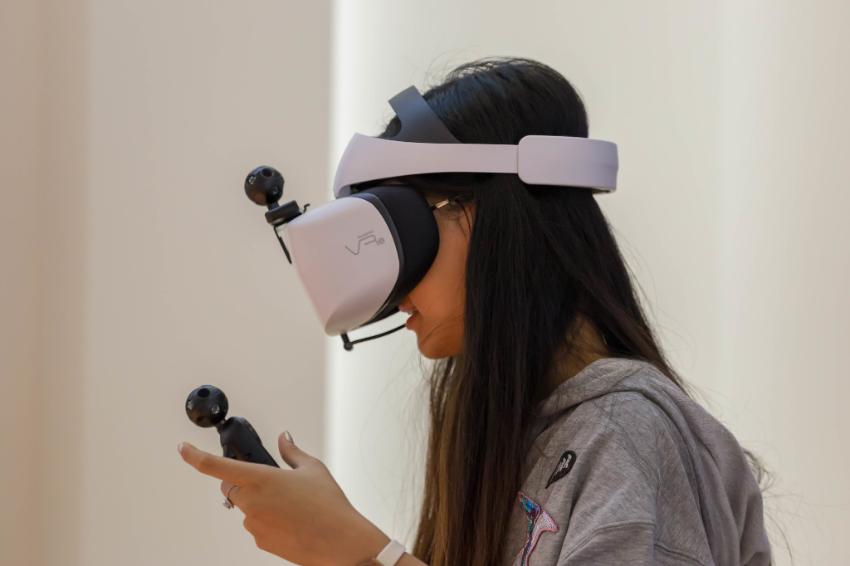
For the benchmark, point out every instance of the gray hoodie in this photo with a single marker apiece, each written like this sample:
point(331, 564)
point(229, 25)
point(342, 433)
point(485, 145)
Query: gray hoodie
point(624, 468)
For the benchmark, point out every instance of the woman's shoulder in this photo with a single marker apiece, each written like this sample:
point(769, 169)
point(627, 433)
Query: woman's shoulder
point(629, 412)
point(625, 446)
point(611, 396)
point(630, 398)
point(625, 428)
point(600, 466)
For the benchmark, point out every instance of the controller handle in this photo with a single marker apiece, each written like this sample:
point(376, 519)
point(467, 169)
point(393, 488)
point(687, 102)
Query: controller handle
point(206, 406)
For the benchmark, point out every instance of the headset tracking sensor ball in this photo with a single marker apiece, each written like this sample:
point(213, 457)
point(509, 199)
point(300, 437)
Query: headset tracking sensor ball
point(360, 255)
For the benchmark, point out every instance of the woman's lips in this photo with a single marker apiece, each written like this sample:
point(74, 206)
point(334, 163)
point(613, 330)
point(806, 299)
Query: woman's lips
point(409, 320)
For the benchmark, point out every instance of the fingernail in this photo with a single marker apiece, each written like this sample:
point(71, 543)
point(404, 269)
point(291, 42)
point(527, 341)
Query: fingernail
point(180, 448)
point(288, 436)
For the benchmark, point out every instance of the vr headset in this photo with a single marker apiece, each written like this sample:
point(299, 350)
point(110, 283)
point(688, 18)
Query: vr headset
point(360, 255)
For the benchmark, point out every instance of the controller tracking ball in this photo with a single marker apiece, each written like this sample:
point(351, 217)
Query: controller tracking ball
point(206, 406)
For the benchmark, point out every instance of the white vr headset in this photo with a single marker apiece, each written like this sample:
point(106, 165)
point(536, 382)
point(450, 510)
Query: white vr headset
point(361, 254)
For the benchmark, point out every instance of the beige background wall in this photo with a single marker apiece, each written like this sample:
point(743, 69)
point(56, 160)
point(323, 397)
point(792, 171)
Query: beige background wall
point(20, 284)
point(134, 269)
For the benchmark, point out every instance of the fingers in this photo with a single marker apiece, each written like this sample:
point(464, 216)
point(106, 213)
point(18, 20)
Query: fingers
point(228, 469)
point(290, 453)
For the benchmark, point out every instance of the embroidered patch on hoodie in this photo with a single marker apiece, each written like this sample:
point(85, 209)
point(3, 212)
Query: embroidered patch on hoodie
point(539, 522)
point(565, 464)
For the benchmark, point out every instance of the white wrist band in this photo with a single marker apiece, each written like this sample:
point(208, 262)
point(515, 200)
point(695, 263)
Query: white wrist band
point(390, 554)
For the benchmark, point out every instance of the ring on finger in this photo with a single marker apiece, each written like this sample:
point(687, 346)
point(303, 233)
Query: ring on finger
point(227, 502)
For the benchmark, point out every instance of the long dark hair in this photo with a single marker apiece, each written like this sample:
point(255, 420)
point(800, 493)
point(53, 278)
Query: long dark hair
point(540, 258)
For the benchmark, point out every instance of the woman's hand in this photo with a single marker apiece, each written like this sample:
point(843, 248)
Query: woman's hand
point(301, 514)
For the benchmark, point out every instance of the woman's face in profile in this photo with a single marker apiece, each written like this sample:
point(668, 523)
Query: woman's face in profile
point(439, 297)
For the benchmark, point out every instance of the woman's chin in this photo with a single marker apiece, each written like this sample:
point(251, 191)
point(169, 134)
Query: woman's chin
point(433, 348)
point(428, 347)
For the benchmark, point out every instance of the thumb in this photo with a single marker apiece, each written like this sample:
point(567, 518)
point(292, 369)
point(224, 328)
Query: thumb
point(290, 453)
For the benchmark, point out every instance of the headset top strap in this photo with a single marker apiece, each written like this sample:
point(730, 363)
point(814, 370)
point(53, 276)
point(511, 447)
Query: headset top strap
point(419, 123)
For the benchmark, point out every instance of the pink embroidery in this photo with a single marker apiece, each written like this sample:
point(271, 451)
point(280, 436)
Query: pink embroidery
point(539, 522)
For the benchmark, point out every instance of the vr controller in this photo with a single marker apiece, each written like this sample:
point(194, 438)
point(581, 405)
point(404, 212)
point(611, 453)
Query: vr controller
point(206, 406)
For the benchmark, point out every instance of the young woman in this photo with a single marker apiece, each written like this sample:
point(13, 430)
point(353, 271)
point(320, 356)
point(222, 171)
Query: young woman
point(559, 433)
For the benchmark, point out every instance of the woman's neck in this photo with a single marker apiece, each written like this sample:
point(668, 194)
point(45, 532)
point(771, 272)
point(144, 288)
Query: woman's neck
point(587, 347)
